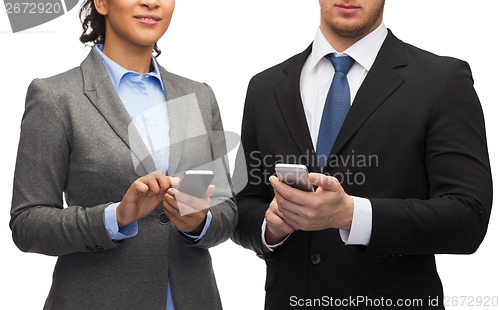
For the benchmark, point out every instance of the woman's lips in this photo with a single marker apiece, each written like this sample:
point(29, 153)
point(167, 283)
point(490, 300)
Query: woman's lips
point(148, 19)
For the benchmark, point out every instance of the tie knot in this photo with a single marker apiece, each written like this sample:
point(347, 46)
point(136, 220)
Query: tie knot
point(342, 63)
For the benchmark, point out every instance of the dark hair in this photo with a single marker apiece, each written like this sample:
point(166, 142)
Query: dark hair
point(94, 25)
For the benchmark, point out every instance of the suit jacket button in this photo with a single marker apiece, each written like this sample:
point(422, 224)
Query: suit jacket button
point(163, 219)
point(316, 259)
point(90, 248)
point(99, 248)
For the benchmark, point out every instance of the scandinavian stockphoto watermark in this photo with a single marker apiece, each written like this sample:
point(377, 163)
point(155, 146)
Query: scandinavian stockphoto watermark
point(26, 14)
point(348, 167)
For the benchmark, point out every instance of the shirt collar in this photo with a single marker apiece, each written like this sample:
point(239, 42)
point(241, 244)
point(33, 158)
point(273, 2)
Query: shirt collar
point(116, 72)
point(363, 52)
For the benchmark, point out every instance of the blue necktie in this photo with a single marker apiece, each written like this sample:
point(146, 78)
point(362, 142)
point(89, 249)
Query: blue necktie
point(336, 107)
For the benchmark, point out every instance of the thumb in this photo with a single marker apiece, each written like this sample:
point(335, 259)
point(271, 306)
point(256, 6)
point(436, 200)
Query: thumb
point(210, 191)
point(328, 183)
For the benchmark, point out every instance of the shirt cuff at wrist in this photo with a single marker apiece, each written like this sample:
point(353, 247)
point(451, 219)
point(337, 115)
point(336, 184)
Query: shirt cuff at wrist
point(111, 224)
point(361, 227)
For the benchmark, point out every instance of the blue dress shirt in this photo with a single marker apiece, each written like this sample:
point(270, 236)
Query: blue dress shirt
point(143, 96)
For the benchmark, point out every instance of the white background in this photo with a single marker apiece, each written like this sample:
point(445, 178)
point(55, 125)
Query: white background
point(224, 43)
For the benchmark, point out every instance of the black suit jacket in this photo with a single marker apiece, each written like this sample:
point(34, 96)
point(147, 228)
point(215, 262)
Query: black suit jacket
point(413, 143)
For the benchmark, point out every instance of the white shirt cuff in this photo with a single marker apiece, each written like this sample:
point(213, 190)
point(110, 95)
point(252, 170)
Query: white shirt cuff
point(361, 227)
point(269, 248)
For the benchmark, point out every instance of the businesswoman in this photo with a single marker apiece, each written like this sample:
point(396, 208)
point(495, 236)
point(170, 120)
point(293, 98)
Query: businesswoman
point(104, 135)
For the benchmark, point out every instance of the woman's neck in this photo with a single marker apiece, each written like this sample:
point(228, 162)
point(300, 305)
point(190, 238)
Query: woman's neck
point(131, 57)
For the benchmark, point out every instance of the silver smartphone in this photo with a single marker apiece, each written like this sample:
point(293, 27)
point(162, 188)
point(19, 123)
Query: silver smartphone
point(294, 175)
point(196, 182)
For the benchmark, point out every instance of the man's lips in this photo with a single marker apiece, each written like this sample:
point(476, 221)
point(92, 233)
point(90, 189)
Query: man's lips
point(147, 19)
point(347, 9)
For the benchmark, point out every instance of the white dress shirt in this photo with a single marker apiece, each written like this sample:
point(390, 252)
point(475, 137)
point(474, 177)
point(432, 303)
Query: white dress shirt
point(315, 80)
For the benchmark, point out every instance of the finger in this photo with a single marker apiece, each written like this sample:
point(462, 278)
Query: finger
point(186, 210)
point(289, 193)
point(175, 181)
point(292, 220)
point(275, 220)
point(274, 181)
point(290, 206)
point(273, 207)
point(195, 203)
point(178, 195)
point(280, 186)
point(163, 182)
point(170, 201)
point(172, 210)
point(328, 183)
point(285, 207)
point(178, 221)
point(152, 183)
point(139, 186)
point(187, 222)
point(210, 191)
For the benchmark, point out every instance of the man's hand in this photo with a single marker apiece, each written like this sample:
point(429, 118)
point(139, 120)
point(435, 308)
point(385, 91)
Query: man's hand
point(142, 197)
point(328, 207)
point(187, 212)
point(276, 227)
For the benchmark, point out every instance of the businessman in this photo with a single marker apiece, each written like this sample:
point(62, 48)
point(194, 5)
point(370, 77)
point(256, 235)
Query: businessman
point(395, 141)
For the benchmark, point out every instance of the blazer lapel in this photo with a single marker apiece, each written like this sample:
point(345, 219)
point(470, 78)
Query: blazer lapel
point(292, 109)
point(379, 84)
point(178, 112)
point(100, 91)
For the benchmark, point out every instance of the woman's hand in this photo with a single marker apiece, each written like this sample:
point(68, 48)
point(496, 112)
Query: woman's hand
point(187, 212)
point(142, 197)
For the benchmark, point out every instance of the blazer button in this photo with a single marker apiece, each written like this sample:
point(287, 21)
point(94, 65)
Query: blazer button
point(163, 219)
point(99, 248)
point(316, 259)
point(90, 248)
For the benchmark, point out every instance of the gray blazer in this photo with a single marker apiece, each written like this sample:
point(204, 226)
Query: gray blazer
point(76, 140)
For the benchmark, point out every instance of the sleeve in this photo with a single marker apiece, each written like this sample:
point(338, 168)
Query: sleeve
point(223, 206)
point(455, 218)
point(254, 198)
point(39, 222)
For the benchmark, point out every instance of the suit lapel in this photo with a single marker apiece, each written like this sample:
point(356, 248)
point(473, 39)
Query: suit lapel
point(379, 84)
point(178, 111)
point(290, 103)
point(101, 92)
